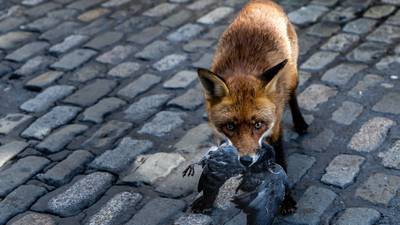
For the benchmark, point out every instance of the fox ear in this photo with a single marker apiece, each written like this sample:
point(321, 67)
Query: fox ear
point(267, 76)
point(214, 86)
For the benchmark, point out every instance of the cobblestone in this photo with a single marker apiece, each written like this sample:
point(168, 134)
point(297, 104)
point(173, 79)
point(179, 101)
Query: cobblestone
point(107, 134)
point(358, 216)
point(307, 14)
point(59, 139)
point(88, 72)
point(81, 194)
point(104, 40)
point(124, 70)
point(215, 15)
point(13, 39)
point(194, 139)
point(41, 24)
point(116, 55)
point(194, 219)
point(10, 150)
point(320, 142)
point(33, 65)
point(119, 158)
point(93, 14)
point(388, 103)
point(59, 31)
point(379, 11)
point(58, 116)
point(11, 121)
point(138, 86)
point(68, 43)
point(315, 95)
point(47, 98)
point(385, 33)
point(181, 79)
point(43, 80)
point(145, 107)
point(379, 188)
point(391, 157)
point(35, 218)
point(190, 100)
point(177, 19)
point(65, 170)
point(154, 50)
point(371, 134)
point(185, 33)
point(360, 26)
point(340, 42)
point(347, 112)
point(162, 123)
point(20, 172)
point(362, 86)
point(323, 29)
point(97, 112)
point(27, 51)
point(298, 165)
point(367, 52)
point(169, 62)
point(319, 60)
point(342, 14)
point(160, 10)
point(74, 59)
point(342, 73)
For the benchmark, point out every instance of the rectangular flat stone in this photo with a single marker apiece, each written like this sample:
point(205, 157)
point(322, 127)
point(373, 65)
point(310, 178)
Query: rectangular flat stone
point(340, 42)
point(388, 103)
point(215, 15)
point(298, 165)
point(14, 39)
point(319, 60)
point(177, 19)
point(185, 33)
point(10, 150)
point(124, 69)
point(307, 14)
point(104, 40)
point(312, 205)
point(200, 4)
point(93, 14)
point(58, 116)
point(391, 157)
point(367, 52)
point(68, 43)
point(138, 86)
point(43, 80)
point(96, 27)
point(64, 171)
point(89, 72)
point(33, 65)
point(11, 121)
point(105, 106)
point(60, 31)
point(20, 172)
point(27, 51)
point(195, 138)
point(198, 219)
point(169, 62)
point(314, 95)
point(91, 93)
point(107, 134)
point(147, 35)
point(342, 73)
point(119, 158)
point(47, 98)
point(154, 50)
point(190, 100)
point(371, 135)
point(359, 216)
point(11, 23)
point(385, 33)
point(41, 24)
point(81, 194)
point(342, 170)
point(59, 139)
point(160, 10)
point(380, 188)
point(116, 55)
point(162, 123)
point(145, 108)
point(74, 59)
point(181, 79)
point(35, 218)
point(19, 201)
point(347, 112)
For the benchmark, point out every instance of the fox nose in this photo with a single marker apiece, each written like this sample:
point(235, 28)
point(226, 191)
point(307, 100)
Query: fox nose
point(246, 160)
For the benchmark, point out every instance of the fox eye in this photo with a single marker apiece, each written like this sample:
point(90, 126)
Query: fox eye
point(230, 126)
point(258, 125)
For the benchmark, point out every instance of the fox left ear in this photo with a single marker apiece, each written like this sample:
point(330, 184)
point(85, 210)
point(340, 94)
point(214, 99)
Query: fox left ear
point(267, 76)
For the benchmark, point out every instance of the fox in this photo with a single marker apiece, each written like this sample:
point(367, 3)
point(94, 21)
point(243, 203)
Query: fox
point(253, 76)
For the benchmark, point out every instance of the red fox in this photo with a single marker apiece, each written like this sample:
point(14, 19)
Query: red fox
point(252, 77)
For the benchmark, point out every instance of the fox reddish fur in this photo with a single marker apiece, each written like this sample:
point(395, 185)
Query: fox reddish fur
point(252, 77)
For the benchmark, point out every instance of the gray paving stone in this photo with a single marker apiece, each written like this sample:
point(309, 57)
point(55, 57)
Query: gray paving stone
point(307, 43)
point(314, 95)
point(88, 72)
point(97, 112)
point(379, 11)
point(185, 32)
point(138, 86)
point(190, 100)
point(60, 31)
point(394, 20)
point(42, 9)
point(134, 23)
point(169, 62)
point(145, 108)
point(320, 142)
point(394, 2)
point(205, 61)
point(93, 14)
point(120, 206)
point(388, 103)
point(342, 14)
point(200, 4)
point(64, 171)
point(81, 194)
point(107, 134)
point(33, 65)
point(74, 59)
point(19, 200)
point(84, 5)
point(385, 33)
point(303, 77)
point(114, 3)
point(43, 80)
point(307, 14)
point(148, 34)
point(323, 29)
point(41, 24)
point(177, 19)
point(347, 112)
point(47, 98)
point(154, 50)
point(63, 14)
point(194, 139)
point(298, 165)
point(27, 51)
point(160, 10)
point(342, 170)
point(319, 60)
point(312, 205)
point(152, 168)
point(91, 93)
point(215, 15)
point(340, 42)
point(358, 216)
point(11, 121)
point(69, 43)
point(32, 2)
point(371, 135)
point(367, 52)
point(10, 150)
point(342, 73)
point(104, 40)
point(360, 26)
point(11, 23)
point(197, 45)
point(35, 218)
point(124, 70)
point(194, 219)
point(14, 39)
point(391, 157)
point(57, 117)
point(388, 64)
point(96, 27)
point(56, 141)
point(20, 172)
point(182, 79)
point(117, 54)
point(380, 188)
point(363, 85)
point(163, 123)
point(119, 158)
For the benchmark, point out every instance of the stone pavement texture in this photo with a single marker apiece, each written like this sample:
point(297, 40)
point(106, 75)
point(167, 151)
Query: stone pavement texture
point(101, 111)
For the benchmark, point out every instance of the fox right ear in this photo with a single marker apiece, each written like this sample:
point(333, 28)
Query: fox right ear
point(214, 86)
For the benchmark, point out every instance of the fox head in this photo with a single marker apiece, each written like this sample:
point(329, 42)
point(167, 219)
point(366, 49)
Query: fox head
point(242, 108)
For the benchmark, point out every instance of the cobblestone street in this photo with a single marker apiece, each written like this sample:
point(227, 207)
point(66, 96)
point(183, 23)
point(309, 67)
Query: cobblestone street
point(102, 111)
